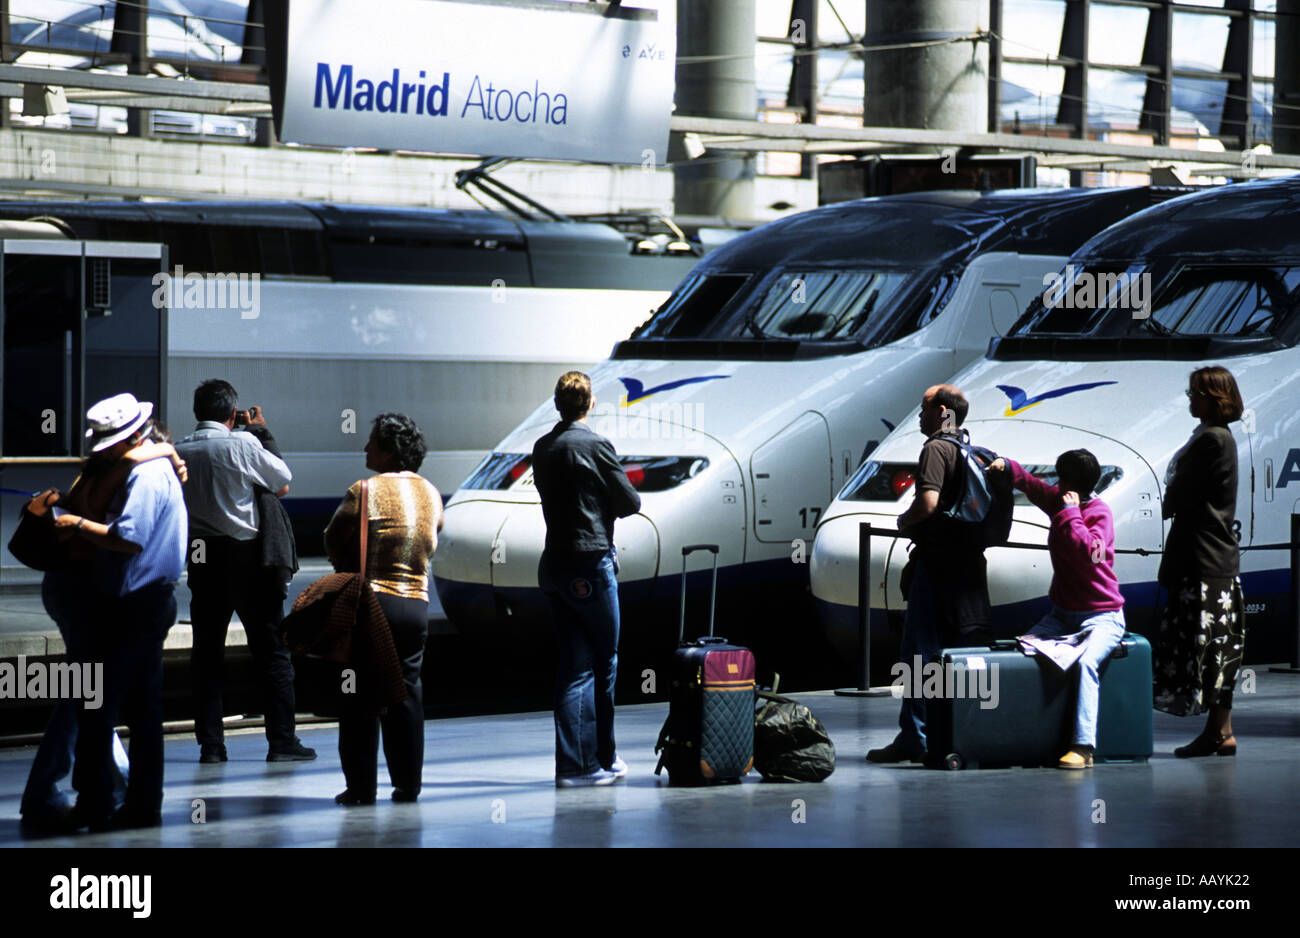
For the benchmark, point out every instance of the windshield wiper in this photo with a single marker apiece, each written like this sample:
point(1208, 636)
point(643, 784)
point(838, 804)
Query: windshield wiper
point(1158, 328)
point(860, 319)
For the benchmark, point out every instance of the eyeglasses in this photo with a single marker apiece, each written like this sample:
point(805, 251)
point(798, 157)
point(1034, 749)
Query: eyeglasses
point(1194, 391)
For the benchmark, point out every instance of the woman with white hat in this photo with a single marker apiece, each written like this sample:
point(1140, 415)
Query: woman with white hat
point(118, 428)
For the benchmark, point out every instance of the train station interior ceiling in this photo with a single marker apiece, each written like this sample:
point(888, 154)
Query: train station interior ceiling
point(167, 100)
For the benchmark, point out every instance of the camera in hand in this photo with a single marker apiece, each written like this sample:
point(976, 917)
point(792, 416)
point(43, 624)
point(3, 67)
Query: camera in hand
point(242, 419)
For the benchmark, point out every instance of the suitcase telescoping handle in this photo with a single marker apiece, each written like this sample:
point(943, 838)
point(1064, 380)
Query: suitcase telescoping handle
point(713, 596)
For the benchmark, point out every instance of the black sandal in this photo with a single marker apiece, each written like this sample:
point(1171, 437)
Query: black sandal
point(1205, 745)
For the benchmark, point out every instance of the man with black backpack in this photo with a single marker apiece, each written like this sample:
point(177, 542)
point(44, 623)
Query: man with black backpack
point(945, 579)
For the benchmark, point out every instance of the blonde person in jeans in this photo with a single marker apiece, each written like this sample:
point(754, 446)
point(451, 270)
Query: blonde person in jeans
point(404, 516)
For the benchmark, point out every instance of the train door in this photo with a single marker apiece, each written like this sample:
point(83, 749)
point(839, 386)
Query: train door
point(79, 323)
point(791, 477)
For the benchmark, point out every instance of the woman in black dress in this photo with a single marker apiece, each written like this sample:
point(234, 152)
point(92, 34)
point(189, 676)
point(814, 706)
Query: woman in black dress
point(1202, 636)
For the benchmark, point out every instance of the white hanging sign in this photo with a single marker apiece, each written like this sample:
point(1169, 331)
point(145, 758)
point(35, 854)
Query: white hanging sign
point(548, 80)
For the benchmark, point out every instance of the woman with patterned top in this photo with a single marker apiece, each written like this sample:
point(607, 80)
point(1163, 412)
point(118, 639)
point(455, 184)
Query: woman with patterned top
point(404, 515)
point(1202, 638)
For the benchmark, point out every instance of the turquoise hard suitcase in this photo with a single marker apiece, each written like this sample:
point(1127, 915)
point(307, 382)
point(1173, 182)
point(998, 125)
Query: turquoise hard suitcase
point(1033, 719)
point(1124, 732)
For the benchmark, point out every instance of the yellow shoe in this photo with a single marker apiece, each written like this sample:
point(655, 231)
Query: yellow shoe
point(1078, 757)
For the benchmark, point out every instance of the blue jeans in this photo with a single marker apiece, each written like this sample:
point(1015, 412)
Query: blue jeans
point(65, 601)
point(920, 637)
point(1107, 630)
point(583, 593)
point(129, 641)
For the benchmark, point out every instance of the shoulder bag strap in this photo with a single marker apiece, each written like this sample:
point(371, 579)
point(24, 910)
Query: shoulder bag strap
point(364, 524)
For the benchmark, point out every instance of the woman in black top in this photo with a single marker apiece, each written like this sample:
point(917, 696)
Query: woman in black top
point(1202, 636)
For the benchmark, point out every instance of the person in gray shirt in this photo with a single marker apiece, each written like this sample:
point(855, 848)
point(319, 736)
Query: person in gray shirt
point(226, 573)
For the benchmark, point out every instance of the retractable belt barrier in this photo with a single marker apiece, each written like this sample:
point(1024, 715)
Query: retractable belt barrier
point(866, 532)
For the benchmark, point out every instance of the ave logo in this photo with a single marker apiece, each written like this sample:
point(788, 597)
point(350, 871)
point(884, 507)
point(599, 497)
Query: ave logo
point(647, 53)
point(1290, 469)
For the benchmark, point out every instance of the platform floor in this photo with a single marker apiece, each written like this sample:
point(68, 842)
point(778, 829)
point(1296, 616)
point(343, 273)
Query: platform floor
point(488, 782)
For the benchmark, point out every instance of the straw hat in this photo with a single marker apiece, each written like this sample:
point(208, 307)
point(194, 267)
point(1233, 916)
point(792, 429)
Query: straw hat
point(115, 419)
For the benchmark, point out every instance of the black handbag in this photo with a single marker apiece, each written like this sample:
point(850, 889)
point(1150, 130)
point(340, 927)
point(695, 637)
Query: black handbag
point(35, 543)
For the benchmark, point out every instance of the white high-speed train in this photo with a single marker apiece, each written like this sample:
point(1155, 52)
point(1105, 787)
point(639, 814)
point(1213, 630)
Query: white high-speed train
point(755, 391)
point(456, 318)
point(1224, 270)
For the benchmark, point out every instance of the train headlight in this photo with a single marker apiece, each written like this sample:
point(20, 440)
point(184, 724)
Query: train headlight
point(661, 473)
point(901, 481)
point(879, 482)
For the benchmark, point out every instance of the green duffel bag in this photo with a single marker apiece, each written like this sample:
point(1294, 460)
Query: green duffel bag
point(790, 744)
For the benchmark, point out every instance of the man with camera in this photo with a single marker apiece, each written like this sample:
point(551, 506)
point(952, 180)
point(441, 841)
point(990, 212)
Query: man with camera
point(226, 569)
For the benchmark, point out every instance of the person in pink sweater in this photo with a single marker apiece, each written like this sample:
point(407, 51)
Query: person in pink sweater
point(1085, 592)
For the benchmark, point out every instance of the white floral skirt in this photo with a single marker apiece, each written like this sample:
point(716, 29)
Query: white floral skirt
point(1199, 649)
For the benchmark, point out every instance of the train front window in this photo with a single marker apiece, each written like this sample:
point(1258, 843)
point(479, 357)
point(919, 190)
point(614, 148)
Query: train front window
point(822, 305)
point(1118, 302)
point(1242, 301)
point(694, 307)
point(1074, 300)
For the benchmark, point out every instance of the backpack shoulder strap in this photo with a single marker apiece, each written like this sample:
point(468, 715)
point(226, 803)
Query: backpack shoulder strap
point(961, 441)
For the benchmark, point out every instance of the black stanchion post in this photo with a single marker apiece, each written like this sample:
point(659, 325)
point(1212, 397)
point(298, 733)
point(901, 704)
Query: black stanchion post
point(1295, 592)
point(1294, 605)
point(864, 618)
point(864, 606)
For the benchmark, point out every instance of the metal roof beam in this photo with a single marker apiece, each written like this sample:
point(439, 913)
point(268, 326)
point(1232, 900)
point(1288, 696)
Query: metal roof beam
point(152, 102)
point(137, 84)
point(794, 137)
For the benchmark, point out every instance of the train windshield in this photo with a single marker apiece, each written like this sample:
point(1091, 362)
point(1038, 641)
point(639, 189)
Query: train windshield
point(804, 305)
point(1118, 301)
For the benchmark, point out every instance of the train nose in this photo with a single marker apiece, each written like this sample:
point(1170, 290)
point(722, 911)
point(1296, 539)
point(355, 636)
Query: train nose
point(485, 567)
point(1014, 573)
point(1019, 577)
point(834, 567)
point(462, 563)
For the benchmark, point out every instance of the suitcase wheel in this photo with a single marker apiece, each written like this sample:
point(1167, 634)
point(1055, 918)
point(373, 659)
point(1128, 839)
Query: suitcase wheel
point(953, 762)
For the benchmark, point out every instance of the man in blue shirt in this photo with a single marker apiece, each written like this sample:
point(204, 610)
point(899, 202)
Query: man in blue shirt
point(227, 467)
point(140, 555)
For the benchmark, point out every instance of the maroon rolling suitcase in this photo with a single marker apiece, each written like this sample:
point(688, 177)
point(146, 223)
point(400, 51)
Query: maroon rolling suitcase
point(709, 734)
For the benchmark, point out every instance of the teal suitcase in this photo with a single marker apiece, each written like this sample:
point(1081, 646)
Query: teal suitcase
point(1033, 720)
point(1124, 732)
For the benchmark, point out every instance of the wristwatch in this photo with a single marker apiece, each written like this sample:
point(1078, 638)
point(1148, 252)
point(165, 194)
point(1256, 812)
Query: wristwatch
point(80, 522)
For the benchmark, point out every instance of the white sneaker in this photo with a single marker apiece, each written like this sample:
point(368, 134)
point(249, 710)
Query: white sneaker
point(618, 767)
point(598, 777)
